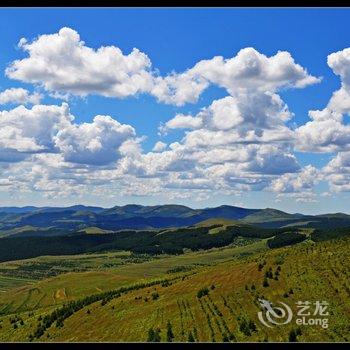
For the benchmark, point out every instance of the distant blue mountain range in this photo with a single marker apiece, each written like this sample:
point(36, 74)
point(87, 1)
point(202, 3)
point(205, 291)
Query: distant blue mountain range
point(16, 220)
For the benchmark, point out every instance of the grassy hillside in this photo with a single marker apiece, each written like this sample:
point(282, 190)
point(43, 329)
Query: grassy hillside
point(166, 289)
point(272, 218)
point(173, 241)
point(100, 272)
point(46, 221)
point(94, 231)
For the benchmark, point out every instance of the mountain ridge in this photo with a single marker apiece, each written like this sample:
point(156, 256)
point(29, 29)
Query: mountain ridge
point(135, 216)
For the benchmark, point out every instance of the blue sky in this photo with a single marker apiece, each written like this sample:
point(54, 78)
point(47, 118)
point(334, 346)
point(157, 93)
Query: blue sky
point(175, 40)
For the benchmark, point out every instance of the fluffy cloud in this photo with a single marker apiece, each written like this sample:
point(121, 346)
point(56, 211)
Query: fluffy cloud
point(159, 146)
point(178, 89)
point(327, 130)
point(19, 96)
point(95, 143)
point(50, 129)
point(25, 130)
point(238, 143)
point(339, 62)
point(253, 117)
point(61, 62)
point(297, 182)
point(248, 70)
point(298, 186)
point(181, 121)
point(337, 172)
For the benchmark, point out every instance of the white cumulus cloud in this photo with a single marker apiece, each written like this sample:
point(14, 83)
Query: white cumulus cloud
point(61, 62)
point(327, 131)
point(248, 70)
point(95, 143)
point(51, 129)
point(19, 96)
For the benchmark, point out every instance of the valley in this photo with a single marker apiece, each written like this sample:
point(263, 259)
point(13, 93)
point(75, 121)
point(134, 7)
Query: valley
point(200, 283)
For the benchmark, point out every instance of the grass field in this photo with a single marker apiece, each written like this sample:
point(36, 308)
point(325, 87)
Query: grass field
point(7, 282)
point(308, 271)
point(106, 271)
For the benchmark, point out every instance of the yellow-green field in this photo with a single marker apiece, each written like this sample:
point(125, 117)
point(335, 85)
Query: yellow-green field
point(115, 274)
point(308, 272)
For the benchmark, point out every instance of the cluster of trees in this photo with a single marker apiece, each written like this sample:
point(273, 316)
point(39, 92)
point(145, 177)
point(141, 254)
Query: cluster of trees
point(155, 295)
point(14, 320)
point(323, 235)
point(202, 292)
point(62, 313)
point(41, 270)
point(286, 238)
point(169, 332)
point(139, 242)
point(179, 269)
point(247, 326)
point(154, 335)
point(293, 334)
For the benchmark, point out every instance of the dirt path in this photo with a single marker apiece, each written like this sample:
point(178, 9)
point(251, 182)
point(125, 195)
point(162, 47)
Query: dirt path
point(60, 294)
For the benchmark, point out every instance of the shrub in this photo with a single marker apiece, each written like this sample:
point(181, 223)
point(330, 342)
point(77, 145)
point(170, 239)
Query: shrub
point(292, 336)
point(225, 339)
point(268, 274)
point(252, 326)
point(169, 332)
point(153, 335)
point(285, 239)
point(202, 292)
point(265, 283)
point(244, 328)
point(155, 295)
point(191, 338)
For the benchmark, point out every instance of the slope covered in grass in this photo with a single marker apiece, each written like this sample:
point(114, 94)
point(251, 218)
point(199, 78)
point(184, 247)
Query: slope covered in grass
point(227, 311)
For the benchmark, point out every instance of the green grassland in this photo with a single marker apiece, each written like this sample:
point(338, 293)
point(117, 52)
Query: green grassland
point(95, 230)
point(8, 282)
point(131, 295)
point(104, 272)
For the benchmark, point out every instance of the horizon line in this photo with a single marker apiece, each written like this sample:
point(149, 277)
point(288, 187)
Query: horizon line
point(165, 204)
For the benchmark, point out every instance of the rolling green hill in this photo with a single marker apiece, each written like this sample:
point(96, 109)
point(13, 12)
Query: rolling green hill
point(171, 241)
point(69, 274)
point(65, 221)
point(202, 296)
